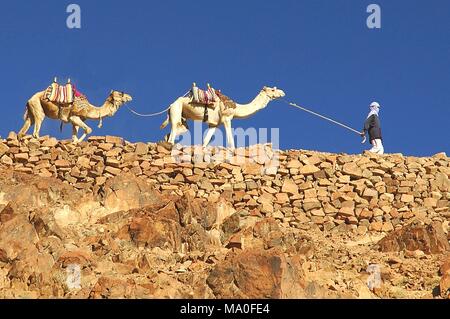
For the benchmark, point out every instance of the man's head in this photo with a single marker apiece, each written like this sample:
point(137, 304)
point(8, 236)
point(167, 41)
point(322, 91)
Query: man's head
point(374, 108)
point(375, 105)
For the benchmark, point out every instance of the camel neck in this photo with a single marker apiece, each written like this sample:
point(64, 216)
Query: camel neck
point(103, 111)
point(258, 103)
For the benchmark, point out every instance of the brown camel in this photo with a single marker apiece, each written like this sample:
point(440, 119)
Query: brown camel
point(38, 109)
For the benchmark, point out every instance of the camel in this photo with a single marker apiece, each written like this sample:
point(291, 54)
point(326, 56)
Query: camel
point(38, 108)
point(183, 109)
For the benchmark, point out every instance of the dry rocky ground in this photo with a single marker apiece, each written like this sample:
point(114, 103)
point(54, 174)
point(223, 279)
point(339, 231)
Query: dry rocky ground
point(139, 224)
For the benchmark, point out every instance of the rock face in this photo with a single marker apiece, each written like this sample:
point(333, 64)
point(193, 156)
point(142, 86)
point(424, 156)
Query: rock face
point(258, 274)
point(444, 284)
point(125, 192)
point(429, 239)
point(141, 221)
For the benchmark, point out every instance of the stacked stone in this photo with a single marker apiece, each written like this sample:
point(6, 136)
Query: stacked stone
point(299, 188)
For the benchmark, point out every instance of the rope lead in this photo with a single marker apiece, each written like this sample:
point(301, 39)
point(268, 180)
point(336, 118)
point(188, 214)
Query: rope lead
point(324, 117)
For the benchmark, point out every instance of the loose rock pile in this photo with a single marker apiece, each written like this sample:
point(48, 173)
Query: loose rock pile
point(299, 188)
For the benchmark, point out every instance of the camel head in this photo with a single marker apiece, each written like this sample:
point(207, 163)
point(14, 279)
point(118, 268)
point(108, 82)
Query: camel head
point(117, 99)
point(273, 93)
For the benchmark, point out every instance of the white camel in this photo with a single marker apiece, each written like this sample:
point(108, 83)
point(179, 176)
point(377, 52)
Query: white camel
point(183, 109)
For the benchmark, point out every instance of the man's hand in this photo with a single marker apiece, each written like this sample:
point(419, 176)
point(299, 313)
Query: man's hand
point(363, 134)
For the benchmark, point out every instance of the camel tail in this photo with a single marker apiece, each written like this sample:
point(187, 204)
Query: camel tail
point(165, 123)
point(25, 115)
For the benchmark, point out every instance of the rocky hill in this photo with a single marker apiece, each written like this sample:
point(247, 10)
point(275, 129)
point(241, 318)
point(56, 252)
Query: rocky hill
point(113, 219)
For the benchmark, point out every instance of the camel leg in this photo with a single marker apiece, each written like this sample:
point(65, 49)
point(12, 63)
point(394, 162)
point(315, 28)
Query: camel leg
point(37, 127)
point(76, 121)
point(36, 112)
point(26, 126)
point(75, 129)
point(176, 110)
point(209, 135)
point(173, 135)
point(230, 139)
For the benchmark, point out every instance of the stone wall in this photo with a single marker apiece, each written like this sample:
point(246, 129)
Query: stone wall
point(331, 191)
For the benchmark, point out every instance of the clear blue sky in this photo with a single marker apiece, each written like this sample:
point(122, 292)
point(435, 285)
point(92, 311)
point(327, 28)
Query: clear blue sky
point(319, 51)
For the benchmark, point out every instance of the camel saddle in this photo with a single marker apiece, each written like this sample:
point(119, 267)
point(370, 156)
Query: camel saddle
point(205, 97)
point(65, 96)
point(61, 94)
point(208, 98)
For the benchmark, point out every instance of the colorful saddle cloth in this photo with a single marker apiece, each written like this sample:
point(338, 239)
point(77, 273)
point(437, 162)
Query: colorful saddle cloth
point(227, 102)
point(77, 94)
point(63, 94)
point(59, 93)
point(207, 97)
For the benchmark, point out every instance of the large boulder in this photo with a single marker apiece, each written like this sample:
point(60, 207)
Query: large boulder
point(16, 235)
point(445, 280)
point(18, 249)
point(257, 274)
point(430, 239)
point(126, 191)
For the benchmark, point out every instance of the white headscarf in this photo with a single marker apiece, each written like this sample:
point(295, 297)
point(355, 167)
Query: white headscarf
point(374, 109)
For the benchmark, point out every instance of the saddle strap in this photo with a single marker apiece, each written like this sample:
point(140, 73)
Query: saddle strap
point(205, 115)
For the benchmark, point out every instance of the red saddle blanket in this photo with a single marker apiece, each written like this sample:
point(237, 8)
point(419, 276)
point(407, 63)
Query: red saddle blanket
point(77, 93)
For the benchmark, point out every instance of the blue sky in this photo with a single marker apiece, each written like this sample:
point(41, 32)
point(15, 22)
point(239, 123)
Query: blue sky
point(320, 52)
